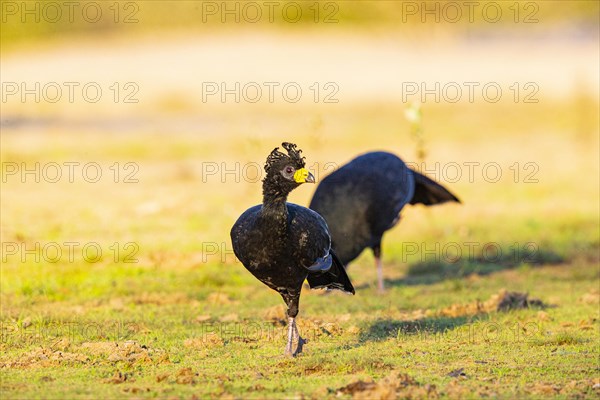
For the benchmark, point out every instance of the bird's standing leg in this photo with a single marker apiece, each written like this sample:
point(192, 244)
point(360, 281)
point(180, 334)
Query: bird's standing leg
point(293, 337)
point(380, 286)
point(290, 343)
point(290, 337)
point(301, 342)
point(379, 266)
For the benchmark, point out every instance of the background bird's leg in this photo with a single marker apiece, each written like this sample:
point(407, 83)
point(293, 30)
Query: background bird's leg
point(379, 266)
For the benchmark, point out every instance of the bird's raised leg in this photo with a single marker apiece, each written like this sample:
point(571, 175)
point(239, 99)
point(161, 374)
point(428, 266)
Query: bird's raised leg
point(379, 266)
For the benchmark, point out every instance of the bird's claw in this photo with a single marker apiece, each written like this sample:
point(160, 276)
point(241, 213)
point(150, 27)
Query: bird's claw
point(289, 352)
point(301, 342)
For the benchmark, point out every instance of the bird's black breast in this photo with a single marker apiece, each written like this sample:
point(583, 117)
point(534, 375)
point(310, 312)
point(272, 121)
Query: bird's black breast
point(362, 199)
point(279, 252)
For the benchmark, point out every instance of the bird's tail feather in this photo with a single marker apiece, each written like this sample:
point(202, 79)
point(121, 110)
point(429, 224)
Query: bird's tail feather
point(334, 278)
point(429, 192)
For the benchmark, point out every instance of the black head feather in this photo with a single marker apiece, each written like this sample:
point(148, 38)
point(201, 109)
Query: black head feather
point(280, 168)
point(278, 158)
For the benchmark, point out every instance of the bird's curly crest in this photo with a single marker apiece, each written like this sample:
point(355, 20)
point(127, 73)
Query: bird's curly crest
point(293, 154)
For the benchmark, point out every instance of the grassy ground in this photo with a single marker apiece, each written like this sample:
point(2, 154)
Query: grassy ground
point(184, 319)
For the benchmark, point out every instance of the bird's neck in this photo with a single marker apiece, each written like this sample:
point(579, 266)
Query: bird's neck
point(274, 203)
point(274, 200)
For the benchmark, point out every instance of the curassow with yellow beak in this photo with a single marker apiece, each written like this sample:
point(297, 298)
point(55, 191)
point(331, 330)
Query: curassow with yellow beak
point(282, 244)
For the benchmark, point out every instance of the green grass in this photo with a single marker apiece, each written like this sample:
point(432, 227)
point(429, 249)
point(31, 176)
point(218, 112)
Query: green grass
point(232, 339)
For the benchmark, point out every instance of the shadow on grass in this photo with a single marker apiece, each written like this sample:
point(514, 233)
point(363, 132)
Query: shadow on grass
point(384, 329)
point(437, 270)
point(426, 272)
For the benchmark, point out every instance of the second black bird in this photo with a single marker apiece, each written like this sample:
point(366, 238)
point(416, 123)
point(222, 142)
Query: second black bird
point(363, 199)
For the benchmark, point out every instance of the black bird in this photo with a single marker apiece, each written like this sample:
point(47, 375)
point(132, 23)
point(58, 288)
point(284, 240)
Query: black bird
point(363, 199)
point(282, 244)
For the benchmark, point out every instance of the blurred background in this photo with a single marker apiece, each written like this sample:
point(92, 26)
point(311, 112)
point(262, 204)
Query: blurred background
point(177, 104)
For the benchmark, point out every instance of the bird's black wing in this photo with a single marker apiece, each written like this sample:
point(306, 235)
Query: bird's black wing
point(311, 243)
point(308, 238)
point(321, 264)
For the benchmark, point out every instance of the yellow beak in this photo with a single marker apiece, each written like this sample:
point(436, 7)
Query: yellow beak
point(303, 176)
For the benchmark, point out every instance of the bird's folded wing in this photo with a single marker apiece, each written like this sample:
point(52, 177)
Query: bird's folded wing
point(322, 264)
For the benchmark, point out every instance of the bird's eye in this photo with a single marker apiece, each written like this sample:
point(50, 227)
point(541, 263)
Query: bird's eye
point(289, 170)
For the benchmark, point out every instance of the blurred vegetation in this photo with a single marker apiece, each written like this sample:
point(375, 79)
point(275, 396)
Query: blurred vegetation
point(30, 21)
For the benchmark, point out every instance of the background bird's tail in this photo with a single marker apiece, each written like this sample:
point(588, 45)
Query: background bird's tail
point(334, 278)
point(429, 192)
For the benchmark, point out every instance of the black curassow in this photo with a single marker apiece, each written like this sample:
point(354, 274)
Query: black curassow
point(363, 199)
point(282, 244)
